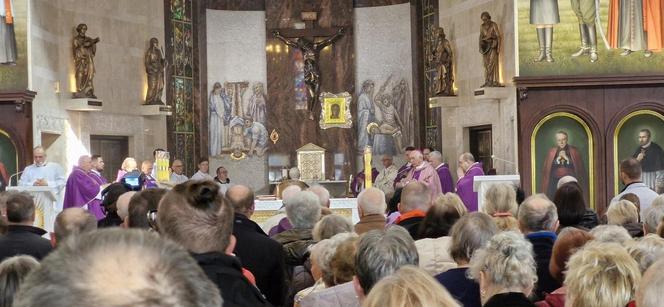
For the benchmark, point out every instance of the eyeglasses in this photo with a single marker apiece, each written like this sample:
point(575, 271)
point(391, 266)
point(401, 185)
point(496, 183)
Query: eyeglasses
point(152, 220)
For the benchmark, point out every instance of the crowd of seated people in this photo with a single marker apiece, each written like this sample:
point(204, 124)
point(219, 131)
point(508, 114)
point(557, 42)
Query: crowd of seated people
point(197, 244)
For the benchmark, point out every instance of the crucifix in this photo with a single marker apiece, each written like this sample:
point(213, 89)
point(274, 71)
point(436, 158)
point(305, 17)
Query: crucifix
point(305, 40)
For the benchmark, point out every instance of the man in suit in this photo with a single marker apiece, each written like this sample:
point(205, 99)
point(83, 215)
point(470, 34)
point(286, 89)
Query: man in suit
point(22, 238)
point(258, 253)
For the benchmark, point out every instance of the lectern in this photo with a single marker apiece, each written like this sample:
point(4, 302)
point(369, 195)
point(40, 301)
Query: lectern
point(482, 183)
point(45, 202)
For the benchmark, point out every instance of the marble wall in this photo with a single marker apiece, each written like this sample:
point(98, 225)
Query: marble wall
point(383, 56)
point(461, 21)
point(124, 27)
point(236, 53)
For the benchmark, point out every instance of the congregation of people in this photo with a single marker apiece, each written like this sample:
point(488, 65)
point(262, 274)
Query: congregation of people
point(421, 240)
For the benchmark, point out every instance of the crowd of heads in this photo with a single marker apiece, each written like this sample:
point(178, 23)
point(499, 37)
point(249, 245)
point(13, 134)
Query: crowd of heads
point(160, 254)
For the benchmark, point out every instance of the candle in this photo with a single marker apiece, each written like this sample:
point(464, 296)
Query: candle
point(367, 167)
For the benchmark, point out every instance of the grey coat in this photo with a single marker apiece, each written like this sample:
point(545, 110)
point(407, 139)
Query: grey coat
point(544, 12)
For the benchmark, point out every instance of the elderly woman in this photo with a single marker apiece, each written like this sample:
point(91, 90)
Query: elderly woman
point(569, 241)
point(646, 251)
point(500, 203)
point(469, 234)
point(12, 273)
point(332, 263)
point(128, 165)
point(624, 213)
point(331, 225)
point(409, 286)
point(601, 274)
point(434, 248)
point(611, 234)
point(505, 269)
point(302, 211)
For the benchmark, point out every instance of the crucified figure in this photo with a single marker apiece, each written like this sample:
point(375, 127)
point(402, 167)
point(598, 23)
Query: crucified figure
point(310, 51)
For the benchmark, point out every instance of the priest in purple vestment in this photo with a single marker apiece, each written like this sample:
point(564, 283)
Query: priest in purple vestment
point(83, 190)
point(423, 172)
point(404, 169)
point(467, 171)
point(443, 170)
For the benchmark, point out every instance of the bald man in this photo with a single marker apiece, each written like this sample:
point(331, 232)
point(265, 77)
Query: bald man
point(178, 176)
point(70, 222)
point(259, 254)
point(83, 190)
point(371, 208)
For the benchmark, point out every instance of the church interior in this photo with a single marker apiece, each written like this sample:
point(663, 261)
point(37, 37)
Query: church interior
point(464, 96)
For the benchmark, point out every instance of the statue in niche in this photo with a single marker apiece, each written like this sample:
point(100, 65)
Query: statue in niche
point(257, 107)
point(442, 58)
point(311, 51)
point(490, 40)
point(85, 48)
point(155, 64)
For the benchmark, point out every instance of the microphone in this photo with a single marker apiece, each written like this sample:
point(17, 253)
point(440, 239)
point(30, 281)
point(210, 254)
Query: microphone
point(9, 184)
point(503, 160)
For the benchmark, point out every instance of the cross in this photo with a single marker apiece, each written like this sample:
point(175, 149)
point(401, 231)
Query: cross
point(304, 39)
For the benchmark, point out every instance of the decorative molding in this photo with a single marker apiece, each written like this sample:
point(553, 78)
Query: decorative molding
point(579, 81)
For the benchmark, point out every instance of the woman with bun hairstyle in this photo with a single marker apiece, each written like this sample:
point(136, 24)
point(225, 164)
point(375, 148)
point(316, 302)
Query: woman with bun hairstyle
point(197, 216)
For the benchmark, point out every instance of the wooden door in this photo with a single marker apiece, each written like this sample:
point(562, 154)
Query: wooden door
point(480, 146)
point(113, 149)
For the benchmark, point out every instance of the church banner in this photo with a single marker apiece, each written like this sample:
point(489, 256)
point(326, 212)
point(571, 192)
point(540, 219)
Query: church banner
point(13, 45)
point(589, 37)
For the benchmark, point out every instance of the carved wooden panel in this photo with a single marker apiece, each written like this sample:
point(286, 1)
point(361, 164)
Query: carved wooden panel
point(601, 102)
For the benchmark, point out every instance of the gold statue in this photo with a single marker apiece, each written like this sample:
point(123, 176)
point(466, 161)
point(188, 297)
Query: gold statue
point(155, 63)
point(85, 48)
point(489, 48)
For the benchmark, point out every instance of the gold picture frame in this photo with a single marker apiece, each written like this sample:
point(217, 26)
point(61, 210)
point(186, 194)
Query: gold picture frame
point(589, 144)
point(335, 110)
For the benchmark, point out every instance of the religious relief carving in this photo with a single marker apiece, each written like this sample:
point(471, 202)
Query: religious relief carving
point(236, 124)
point(384, 119)
point(85, 48)
point(441, 59)
point(310, 51)
point(155, 64)
point(490, 41)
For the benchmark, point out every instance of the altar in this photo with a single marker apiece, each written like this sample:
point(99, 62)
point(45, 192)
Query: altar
point(346, 207)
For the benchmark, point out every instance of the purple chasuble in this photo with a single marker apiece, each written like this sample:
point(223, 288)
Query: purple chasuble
point(402, 173)
point(465, 186)
point(81, 190)
point(446, 184)
point(416, 174)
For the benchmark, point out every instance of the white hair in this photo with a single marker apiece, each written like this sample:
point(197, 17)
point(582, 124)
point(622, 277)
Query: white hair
point(330, 225)
point(649, 292)
point(372, 201)
point(289, 191)
point(654, 215)
point(436, 155)
point(303, 210)
point(646, 250)
point(611, 234)
point(294, 173)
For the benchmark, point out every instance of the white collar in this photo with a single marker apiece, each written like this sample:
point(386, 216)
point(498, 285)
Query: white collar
point(440, 165)
point(647, 145)
point(421, 167)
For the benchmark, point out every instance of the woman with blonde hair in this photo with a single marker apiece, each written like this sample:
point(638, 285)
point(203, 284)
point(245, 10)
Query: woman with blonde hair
point(624, 213)
point(505, 269)
point(409, 287)
point(435, 230)
point(500, 203)
point(128, 165)
point(601, 274)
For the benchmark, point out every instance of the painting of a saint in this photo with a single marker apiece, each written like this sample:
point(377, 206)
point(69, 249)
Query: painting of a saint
point(257, 107)
point(562, 146)
point(639, 135)
point(219, 112)
point(562, 160)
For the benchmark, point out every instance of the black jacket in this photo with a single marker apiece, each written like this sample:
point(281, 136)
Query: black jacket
point(511, 299)
point(263, 257)
point(413, 226)
point(24, 240)
point(226, 272)
point(543, 247)
point(295, 243)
